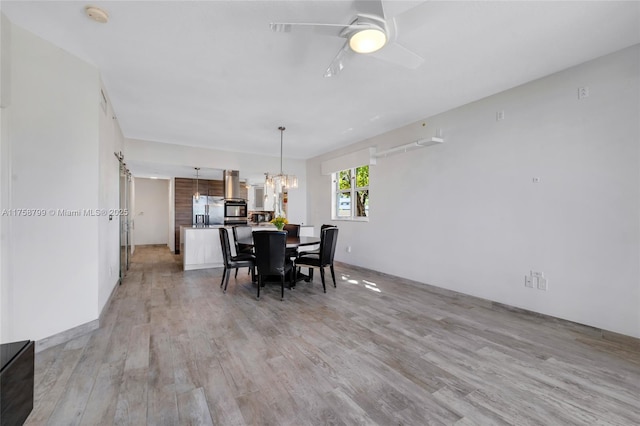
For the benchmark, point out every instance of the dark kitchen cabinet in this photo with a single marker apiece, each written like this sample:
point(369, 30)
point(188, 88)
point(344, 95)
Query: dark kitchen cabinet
point(183, 207)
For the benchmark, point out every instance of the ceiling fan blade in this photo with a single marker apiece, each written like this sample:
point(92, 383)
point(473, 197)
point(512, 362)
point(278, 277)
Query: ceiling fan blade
point(399, 55)
point(339, 61)
point(321, 29)
point(412, 18)
point(370, 7)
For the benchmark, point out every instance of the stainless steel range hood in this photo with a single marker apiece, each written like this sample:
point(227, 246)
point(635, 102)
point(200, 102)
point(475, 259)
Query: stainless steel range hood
point(232, 185)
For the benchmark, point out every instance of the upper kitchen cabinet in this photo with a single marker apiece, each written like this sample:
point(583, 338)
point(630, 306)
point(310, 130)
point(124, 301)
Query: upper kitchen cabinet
point(256, 198)
point(215, 187)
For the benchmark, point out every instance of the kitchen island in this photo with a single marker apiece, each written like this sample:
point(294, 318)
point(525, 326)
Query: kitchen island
point(200, 247)
point(200, 244)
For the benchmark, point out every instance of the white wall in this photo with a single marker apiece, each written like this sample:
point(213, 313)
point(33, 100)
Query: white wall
point(248, 164)
point(5, 163)
point(54, 139)
point(467, 216)
point(5, 259)
point(152, 211)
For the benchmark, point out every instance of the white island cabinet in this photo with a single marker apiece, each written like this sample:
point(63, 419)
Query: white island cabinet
point(201, 247)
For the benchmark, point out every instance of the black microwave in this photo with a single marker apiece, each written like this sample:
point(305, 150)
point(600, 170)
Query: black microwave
point(234, 209)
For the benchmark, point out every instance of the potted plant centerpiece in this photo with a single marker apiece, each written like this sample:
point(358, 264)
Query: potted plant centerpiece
point(279, 222)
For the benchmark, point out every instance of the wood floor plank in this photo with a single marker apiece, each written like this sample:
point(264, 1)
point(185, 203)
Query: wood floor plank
point(138, 349)
point(468, 412)
point(72, 404)
point(193, 408)
point(101, 405)
point(173, 349)
point(223, 406)
point(162, 406)
point(131, 405)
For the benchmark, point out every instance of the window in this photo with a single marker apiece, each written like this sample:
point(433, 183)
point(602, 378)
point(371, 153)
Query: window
point(351, 193)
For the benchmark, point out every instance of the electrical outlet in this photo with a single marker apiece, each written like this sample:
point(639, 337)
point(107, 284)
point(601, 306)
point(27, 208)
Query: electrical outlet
point(583, 92)
point(500, 115)
point(528, 281)
point(348, 249)
point(542, 283)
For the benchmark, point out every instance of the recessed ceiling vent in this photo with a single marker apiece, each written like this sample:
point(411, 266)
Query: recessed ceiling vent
point(97, 14)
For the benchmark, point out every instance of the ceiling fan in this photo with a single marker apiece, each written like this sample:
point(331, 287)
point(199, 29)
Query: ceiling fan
point(369, 32)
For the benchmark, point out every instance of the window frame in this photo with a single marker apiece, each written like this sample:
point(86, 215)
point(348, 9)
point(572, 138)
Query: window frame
point(352, 191)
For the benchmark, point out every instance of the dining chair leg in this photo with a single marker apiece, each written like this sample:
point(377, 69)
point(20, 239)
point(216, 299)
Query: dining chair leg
point(259, 285)
point(282, 287)
point(224, 272)
point(324, 288)
point(236, 275)
point(310, 279)
point(226, 281)
point(333, 275)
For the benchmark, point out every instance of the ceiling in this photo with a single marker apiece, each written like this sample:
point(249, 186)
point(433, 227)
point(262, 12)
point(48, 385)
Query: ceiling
point(212, 73)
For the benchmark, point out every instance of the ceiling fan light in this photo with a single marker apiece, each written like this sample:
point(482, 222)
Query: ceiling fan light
point(367, 41)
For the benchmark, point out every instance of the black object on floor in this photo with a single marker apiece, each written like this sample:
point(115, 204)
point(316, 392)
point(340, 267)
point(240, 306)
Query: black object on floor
point(16, 382)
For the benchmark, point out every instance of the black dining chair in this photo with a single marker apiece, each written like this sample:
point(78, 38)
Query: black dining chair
point(293, 230)
point(241, 232)
point(271, 258)
point(316, 250)
point(242, 260)
point(324, 257)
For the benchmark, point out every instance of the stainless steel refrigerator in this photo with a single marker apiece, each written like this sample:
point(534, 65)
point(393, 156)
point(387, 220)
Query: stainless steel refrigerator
point(208, 210)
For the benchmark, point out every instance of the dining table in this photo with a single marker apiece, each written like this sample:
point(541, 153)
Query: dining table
point(292, 243)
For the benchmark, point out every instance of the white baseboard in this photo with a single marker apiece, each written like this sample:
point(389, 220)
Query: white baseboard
point(66, 335)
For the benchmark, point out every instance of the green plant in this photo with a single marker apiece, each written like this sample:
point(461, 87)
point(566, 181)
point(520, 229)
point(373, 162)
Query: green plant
point(279, 221)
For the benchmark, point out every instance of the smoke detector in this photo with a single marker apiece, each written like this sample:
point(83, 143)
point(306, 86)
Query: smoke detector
point(97, 14)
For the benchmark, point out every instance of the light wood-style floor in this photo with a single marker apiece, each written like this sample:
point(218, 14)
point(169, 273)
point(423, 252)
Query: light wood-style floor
point(174, 350)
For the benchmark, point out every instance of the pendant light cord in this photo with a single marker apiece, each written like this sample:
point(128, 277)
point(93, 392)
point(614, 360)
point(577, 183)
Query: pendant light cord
point(282, 129)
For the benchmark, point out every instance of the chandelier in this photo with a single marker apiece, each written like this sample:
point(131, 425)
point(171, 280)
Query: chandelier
point(281, 181)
